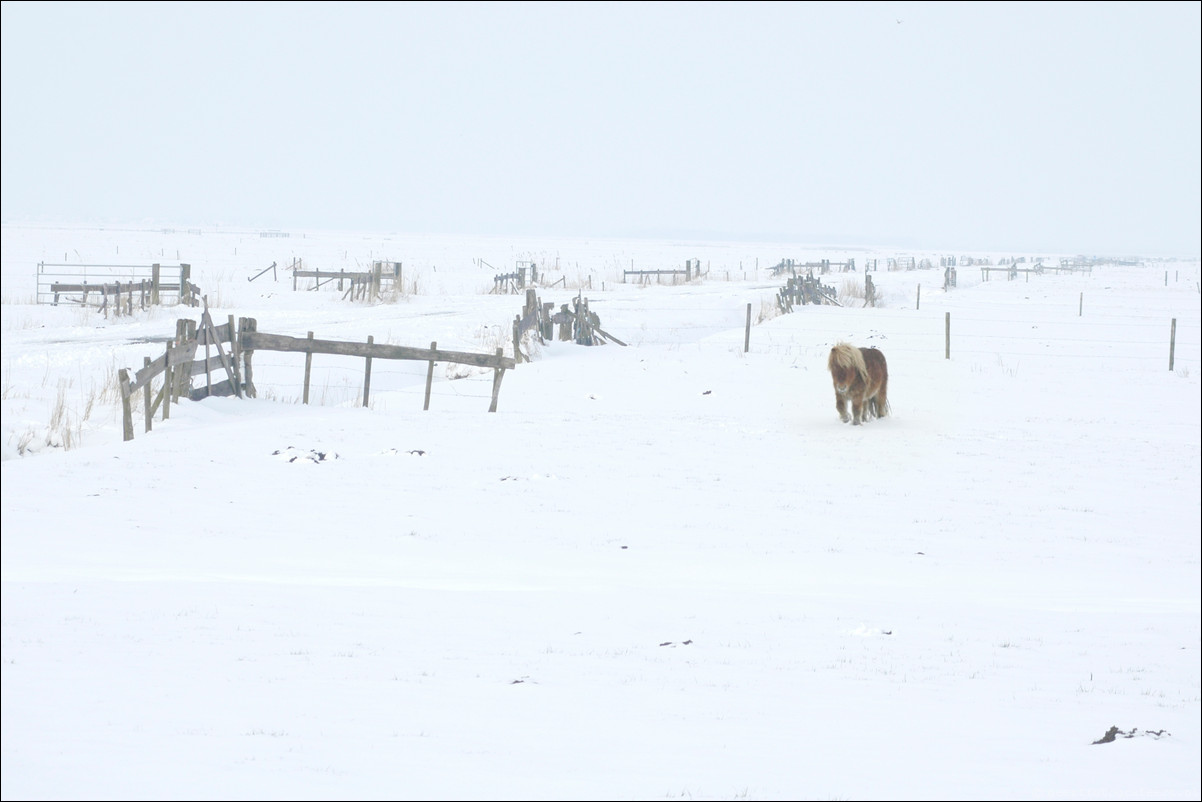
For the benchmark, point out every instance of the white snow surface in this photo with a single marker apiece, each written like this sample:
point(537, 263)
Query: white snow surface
point(664, 570)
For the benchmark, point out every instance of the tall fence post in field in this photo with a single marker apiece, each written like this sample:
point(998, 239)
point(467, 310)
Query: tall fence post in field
point(1080, 304)
point(308, 369)
point(517, 338)
point(168, 381)
point(1172, 343)
point(154, 284)
point(747, 331)
point(146, 394)
point(367, 372)
point(497, 375)
point(185, 285)
point(247, 325)
point(918, 298)
point(430, 376)
point(947, 335)
point(235, 354)
point(127, 416)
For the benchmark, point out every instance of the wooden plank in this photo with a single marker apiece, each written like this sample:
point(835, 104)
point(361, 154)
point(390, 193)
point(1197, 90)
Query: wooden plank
point(209, 365)
point(259, 341)
point(151, 368)
point(221, 389)
point(225, 362)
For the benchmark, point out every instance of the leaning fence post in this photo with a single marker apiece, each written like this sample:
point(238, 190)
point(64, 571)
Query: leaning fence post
point(1172, 342)
point(430, 374)
point(497, 375)
point(308, 366)
point(917, 300)
point(367, 371)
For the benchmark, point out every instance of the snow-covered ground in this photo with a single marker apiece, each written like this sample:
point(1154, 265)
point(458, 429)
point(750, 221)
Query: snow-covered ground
point(659, 571)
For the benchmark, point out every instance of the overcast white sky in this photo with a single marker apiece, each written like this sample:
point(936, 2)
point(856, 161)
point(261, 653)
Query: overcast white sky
point(1030, 126)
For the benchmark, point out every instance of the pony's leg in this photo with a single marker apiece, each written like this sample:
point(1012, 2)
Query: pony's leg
point(841, 408)
point(857, 411)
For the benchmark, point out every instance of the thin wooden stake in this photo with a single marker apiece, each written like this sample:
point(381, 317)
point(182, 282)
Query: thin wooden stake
point(127, 416)
point(430, 376)
point(146, 395)
point(367, 373)
point(497, 375)
point(1172, 343)
point(747, 331)
point(308, 368)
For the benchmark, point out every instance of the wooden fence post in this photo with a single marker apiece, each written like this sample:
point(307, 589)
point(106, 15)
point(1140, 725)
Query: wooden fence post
point(154, 285)
point(168, 381)
point(429, 376)
point(517, 338)
point(918, 300)
point(1080, 304)
point(947, 335)
point(185, 286)
point(247, 324)
point(497, 375)
point(234, 355)
point(367, 373)
point(308, 368)
point(747, 331)
point(127, 416)
point(146, 395)
point(1172, 343)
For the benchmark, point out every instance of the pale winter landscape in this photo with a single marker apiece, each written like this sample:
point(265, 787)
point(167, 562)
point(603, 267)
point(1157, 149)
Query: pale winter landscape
point(661, 569)
point(530, 483)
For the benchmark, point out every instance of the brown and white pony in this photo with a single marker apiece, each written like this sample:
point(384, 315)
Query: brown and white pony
point(861, 376)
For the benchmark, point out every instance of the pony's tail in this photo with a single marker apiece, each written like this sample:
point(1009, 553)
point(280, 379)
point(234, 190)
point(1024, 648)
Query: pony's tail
point(882, 398)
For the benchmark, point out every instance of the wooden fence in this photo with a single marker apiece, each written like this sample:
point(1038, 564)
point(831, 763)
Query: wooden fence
point(362, 285)
point(177, 366)
point(234, 366)
point(504, 283)
point(823, 266)
point(692, 270)
point(117, 287)
point(577, 323)
point(805, 290)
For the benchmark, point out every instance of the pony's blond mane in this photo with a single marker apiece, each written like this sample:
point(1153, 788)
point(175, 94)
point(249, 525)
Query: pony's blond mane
point(846, 355)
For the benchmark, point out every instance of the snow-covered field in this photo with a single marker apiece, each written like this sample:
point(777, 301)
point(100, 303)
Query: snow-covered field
point(658, 571)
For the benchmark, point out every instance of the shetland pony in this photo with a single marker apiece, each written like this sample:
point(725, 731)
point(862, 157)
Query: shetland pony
point(860, 376)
